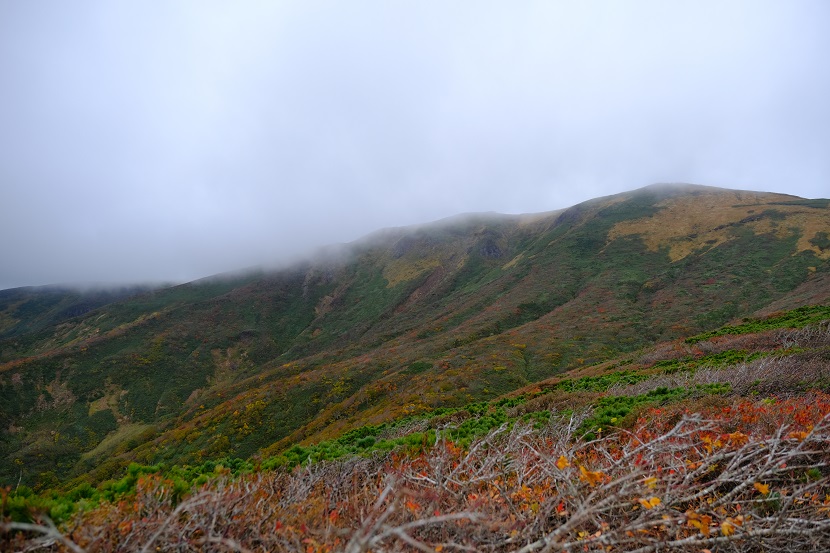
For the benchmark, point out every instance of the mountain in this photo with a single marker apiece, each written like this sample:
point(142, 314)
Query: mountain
point(31, 309)
point(401, 322)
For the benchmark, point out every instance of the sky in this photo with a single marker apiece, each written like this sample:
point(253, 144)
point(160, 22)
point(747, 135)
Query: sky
point(168, 141)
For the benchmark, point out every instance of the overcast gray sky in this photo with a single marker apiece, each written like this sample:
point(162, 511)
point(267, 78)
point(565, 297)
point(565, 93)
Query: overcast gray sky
point(147, 141)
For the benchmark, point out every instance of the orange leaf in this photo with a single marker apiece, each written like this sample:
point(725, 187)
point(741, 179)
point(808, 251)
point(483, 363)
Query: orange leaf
point(727, 528)
point(649, 503)
point(800, 436)
point(562, 462)
point(738, 438)
point(591, 477)
point(763, 488)
point(701, 522)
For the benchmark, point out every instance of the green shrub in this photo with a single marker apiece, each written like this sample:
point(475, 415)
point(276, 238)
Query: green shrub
point(600, 383)
point(796, 318)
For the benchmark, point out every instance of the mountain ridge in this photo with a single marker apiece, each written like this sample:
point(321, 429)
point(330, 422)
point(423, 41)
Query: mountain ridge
point(401, 321)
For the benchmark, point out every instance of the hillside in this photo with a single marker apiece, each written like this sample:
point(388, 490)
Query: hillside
point(400, 323)
point(29, 310)
point(719, 440)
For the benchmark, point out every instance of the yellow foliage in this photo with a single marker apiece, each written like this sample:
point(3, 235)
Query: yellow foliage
point(403, 270)
point(649, 503)
point(591, 477)
point(800, 436)
point(701, 522)
point(738, 438)
point(693, 223)
point(728, 526)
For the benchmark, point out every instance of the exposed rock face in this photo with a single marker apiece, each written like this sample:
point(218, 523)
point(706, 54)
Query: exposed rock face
point(490, 249)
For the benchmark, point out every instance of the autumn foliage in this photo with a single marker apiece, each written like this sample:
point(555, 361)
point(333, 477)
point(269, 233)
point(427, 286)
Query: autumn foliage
point(743, 475)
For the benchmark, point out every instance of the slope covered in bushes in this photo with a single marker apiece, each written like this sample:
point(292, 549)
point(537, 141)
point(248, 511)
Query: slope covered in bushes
point(721, 443)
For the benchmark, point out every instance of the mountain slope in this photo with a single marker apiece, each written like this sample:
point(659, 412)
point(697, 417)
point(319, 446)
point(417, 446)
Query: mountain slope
point(747, 405)
point(400, 322)
point(28, 310)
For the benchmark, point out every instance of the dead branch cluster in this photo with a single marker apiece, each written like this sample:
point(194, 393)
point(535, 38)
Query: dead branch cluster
point(806, 365)
point(689, 485)
point(773, 375)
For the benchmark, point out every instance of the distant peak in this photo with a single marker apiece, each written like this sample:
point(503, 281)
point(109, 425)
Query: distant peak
point(678, 187)
point(670, 190)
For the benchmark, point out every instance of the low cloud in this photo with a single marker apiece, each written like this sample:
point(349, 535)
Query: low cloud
point(170, 142)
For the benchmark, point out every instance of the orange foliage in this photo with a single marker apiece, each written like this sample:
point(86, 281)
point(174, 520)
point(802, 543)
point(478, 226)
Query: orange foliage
point(676, 478)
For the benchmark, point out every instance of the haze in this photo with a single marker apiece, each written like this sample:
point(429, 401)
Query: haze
point(167, 141)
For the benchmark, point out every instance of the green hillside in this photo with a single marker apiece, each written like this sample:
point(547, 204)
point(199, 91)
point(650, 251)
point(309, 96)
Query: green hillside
point(28, 310)
point(398, 324)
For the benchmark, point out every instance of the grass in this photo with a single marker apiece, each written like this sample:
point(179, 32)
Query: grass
point(124, 434)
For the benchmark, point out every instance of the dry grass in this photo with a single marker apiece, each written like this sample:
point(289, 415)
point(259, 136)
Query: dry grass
point(692, 223)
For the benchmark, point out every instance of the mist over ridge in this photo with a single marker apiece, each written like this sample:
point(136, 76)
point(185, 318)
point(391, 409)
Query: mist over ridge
point(146, 143)
point(342, 251)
